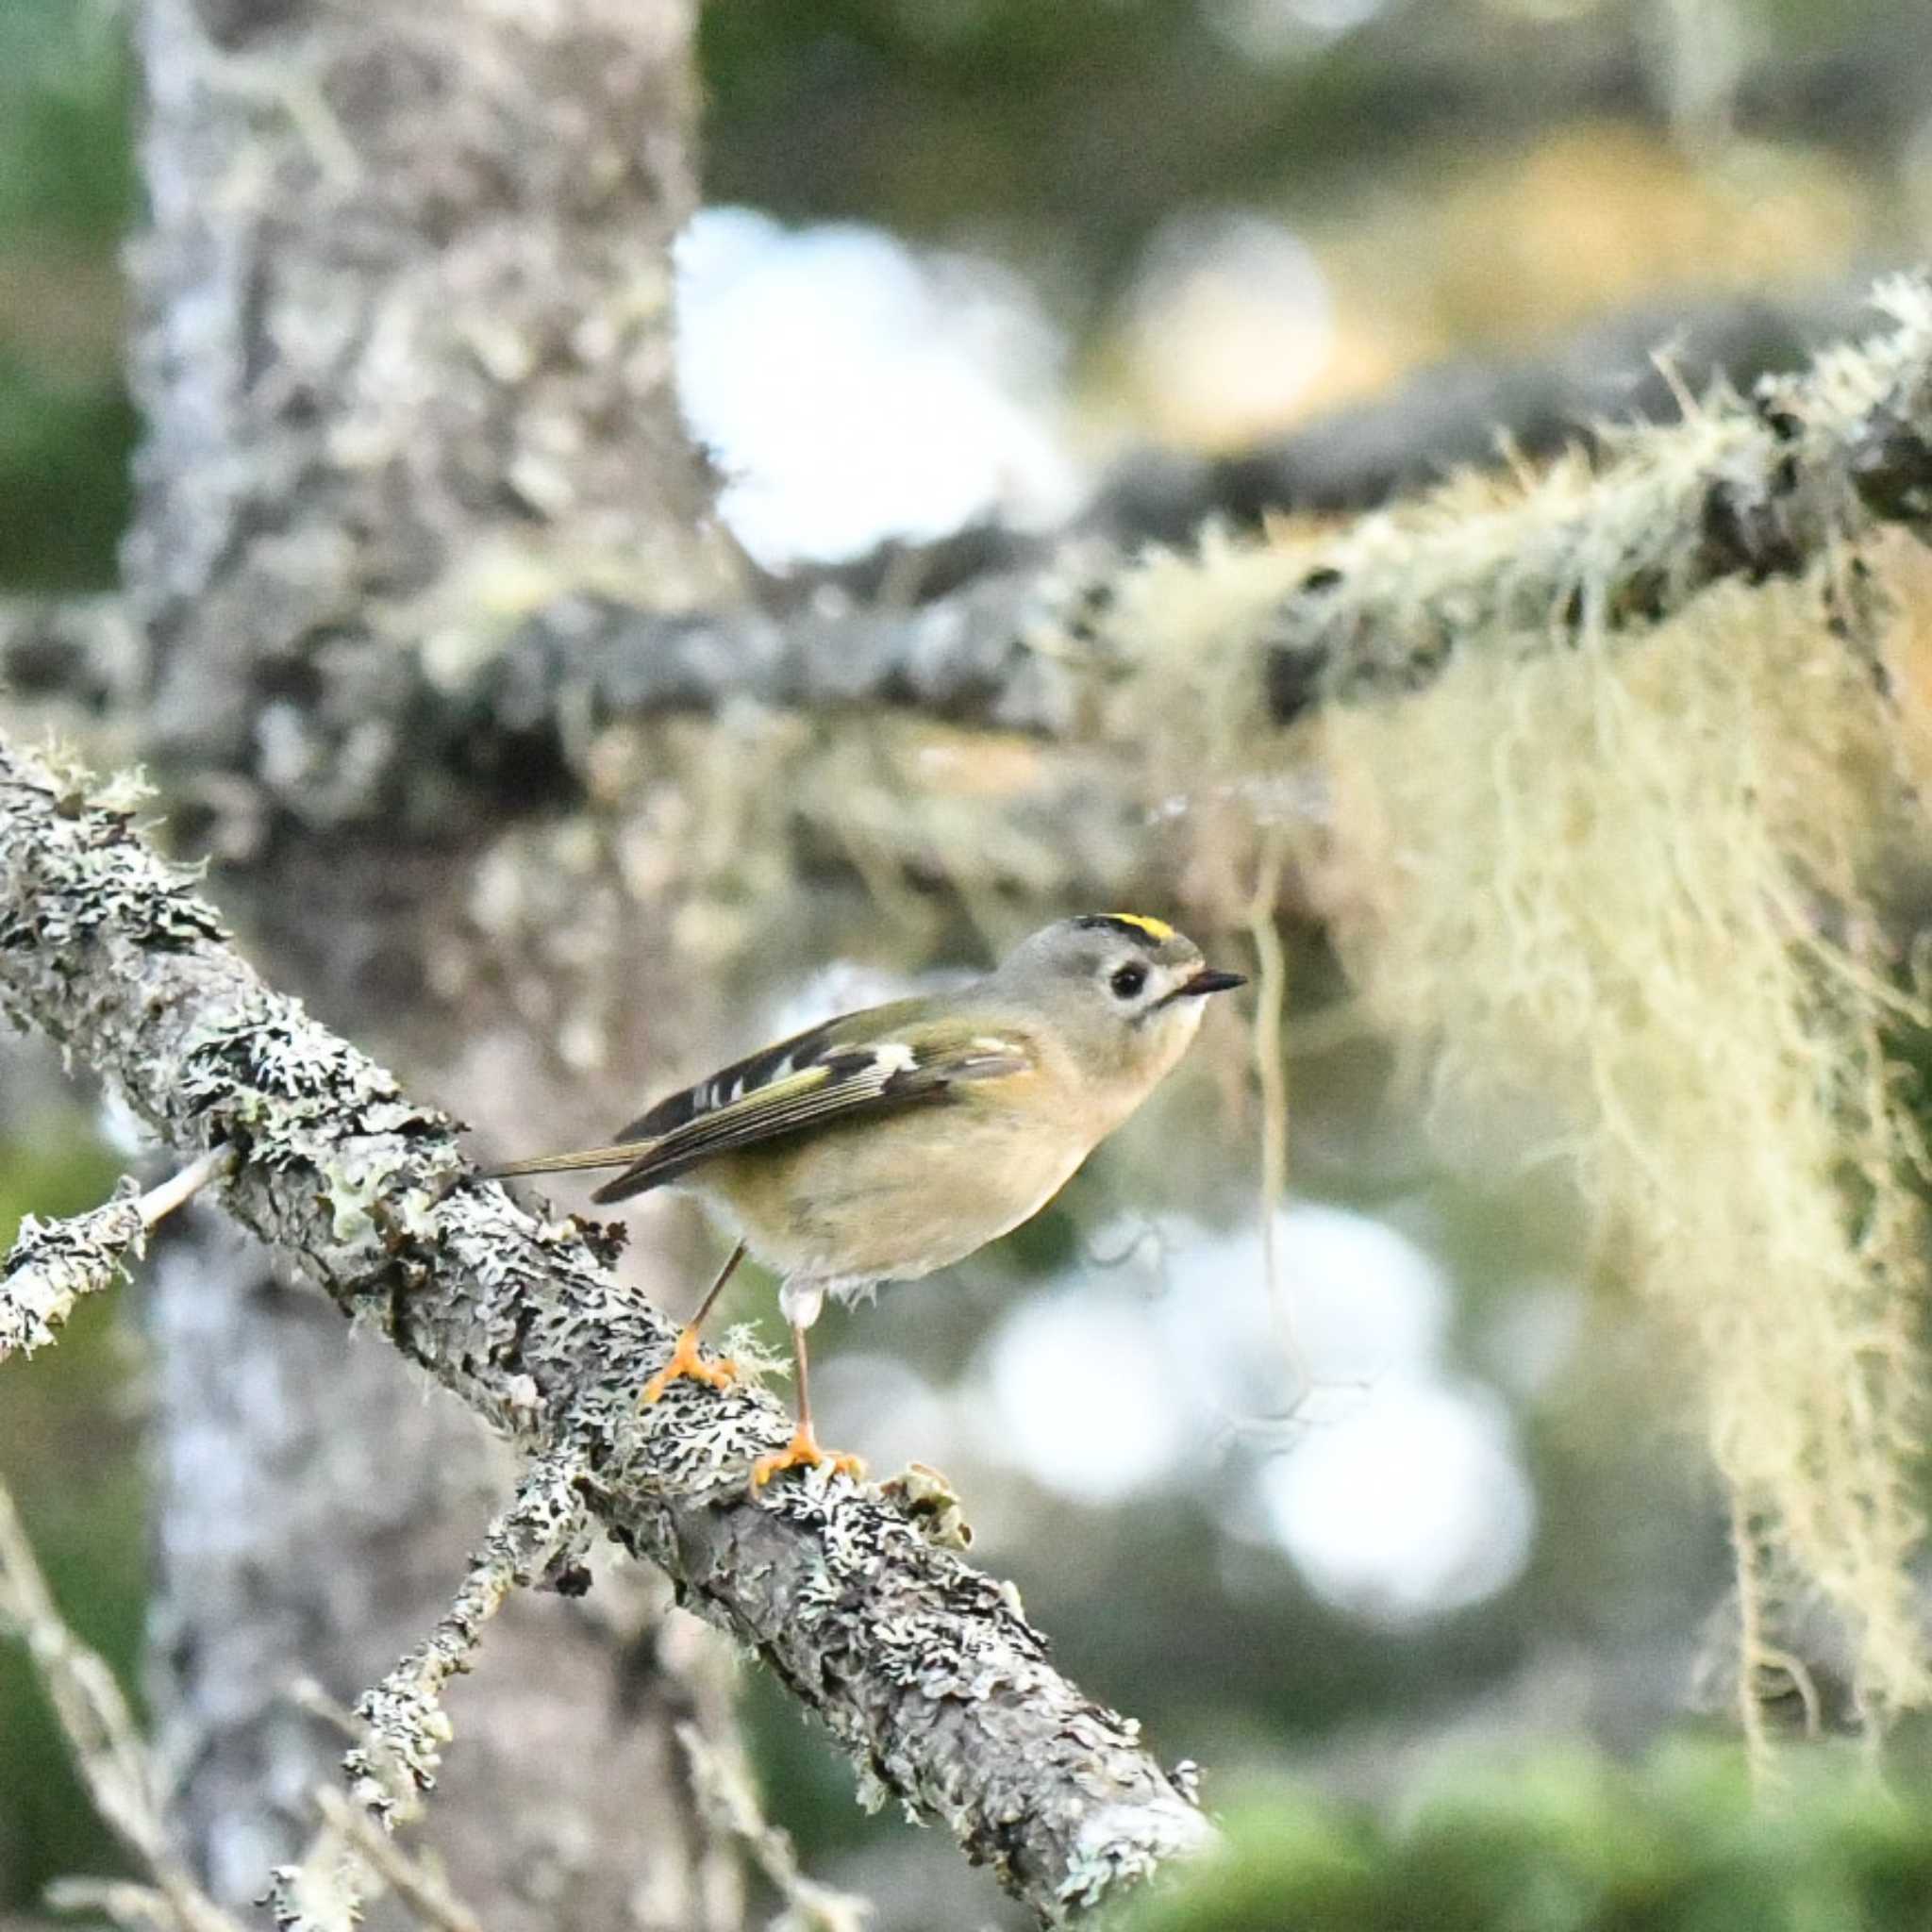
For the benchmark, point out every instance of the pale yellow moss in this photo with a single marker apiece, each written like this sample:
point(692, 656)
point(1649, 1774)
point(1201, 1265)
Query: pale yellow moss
point(1622, 889)
point(1633, 881)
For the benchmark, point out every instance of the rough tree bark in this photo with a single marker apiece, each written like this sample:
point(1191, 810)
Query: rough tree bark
point(403, 349)
point(405, 343)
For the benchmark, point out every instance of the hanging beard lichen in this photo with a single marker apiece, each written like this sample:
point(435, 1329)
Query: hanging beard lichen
point(1632, 880)
point(1623, 864)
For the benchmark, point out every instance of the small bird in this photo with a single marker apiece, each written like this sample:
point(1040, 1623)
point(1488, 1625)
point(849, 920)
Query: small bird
point(890, 1142)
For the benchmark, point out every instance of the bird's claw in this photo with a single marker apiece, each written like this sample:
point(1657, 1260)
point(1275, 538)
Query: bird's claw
point(687, 1365)
point(803, 1452)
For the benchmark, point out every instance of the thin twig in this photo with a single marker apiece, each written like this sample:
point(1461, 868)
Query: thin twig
point(179, 1189)
point(101, 1736)
point(121, 1901)
point(724, 1789)
point(402, 1718)
point(424, 1890)
point(52, 1263)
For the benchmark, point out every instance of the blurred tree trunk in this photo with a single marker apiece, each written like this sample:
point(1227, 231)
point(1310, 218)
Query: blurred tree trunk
point(404, 355)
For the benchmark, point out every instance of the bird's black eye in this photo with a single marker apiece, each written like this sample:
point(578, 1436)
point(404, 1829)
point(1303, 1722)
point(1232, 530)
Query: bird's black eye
point(1127, 981)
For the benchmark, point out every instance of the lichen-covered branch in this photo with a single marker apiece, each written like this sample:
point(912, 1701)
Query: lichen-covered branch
point(401, 1726)
point(1742, 490)
point(581, 661)
point(1632, 366)
point(52, 1263)
point(543, 1526)
point(352, 1859)
point(1750, 487)
point(106, 1747)
point(1649, 517)
point(923, 1668)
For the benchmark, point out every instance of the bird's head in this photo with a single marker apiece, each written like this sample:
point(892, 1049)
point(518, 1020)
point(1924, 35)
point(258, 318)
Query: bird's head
point(1122, 993)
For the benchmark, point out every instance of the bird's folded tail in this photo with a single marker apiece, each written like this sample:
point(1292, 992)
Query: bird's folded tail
point(623, 1154)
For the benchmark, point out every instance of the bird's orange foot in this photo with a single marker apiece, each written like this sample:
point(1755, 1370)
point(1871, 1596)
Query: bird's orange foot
point(803, 1452)
point(686, 1364)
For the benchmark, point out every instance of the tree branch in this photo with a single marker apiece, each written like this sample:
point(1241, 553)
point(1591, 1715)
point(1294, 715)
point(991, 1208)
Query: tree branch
point(1734, 488)
point(405, 1727)
point(352, 1856)
point(585, 661)
point(421, 1888)
point(52, 1263)
point(1741, 490)
point(1622, 537)
point(921, 1667)
point(725, 1790)
point(1634, 366)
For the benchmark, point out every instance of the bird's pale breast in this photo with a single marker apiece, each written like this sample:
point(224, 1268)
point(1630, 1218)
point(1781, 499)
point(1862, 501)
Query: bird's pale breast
point(890, 1199)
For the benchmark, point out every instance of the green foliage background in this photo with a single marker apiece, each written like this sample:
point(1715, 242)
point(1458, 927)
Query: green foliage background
point(1571, 1843)
point(67, 1451)
point(66, 428)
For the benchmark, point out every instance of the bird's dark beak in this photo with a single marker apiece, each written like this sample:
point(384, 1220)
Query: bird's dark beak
point(1206, 981)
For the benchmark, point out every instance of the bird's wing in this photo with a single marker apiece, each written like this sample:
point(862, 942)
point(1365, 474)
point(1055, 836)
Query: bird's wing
point(819, 1082)
point(843, 1070)
point(767, 1067)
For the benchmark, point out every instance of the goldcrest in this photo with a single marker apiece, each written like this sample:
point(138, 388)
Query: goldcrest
point(887, 1143)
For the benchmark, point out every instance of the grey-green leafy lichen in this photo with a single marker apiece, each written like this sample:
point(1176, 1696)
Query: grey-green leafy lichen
point(543, 1530)
point(923, 1669)
point(52, 1263)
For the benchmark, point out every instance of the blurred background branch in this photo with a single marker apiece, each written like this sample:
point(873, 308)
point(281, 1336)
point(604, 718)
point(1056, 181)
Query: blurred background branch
point(943, 627)
point(100, 1730)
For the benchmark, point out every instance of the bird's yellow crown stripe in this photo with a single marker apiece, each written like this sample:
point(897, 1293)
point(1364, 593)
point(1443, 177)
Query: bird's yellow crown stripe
point(1155, 929)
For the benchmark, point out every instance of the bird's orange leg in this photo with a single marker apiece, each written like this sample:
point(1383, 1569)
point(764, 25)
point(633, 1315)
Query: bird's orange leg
point(686, 1364)
point(803, 1451)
